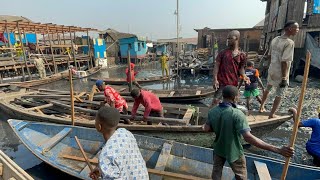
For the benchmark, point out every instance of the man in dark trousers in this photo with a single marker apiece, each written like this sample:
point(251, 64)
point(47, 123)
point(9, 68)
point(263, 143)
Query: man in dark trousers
point(230, 125)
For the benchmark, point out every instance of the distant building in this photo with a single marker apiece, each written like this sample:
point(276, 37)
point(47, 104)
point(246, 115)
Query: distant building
point(307, 14)
point(169, 46)
point(112, 37)
point(249, 37)
point(137, 46)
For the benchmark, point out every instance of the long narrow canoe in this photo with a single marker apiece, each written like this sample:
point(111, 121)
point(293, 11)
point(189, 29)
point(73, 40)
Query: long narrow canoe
point(10, 170)
point(183, 95)
point(185, 127)
point(47, 80)
point(56, 145)
point(123, 81)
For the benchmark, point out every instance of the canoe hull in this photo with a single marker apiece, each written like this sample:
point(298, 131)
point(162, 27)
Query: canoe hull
point(185, 134)
point(182, 158)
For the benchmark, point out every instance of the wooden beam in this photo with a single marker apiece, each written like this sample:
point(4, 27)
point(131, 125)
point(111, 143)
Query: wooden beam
point(187, 116)
point(40, 107)
point(262, 170)
point(77, 158)
point(171, 94)
point(54, 140)
point(174, 175)
point(162, 160)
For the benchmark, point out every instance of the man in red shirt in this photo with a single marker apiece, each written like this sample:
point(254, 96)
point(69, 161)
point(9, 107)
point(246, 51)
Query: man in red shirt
point(149, 100)
point(113, 98)
point(229, 66)
point(133, 74)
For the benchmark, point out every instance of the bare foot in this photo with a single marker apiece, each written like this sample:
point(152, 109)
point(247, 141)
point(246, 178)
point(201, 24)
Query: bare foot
point(271, 116)
point(261, 110)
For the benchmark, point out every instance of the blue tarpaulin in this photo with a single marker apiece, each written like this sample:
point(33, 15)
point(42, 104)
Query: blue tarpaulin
point(316, 7)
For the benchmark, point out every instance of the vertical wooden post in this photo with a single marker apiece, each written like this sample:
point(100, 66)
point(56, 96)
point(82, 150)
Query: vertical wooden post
point(74, 54)
point(299, 110)
point(64, 42)
point(177, 49)
point(89, 48)
point(129, 69)
point(71, 97)
point(53, 60)
point(24, 54)
point(9, 38)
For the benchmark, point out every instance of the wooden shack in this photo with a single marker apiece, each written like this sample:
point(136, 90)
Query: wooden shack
point(306, 13)
point(250, 37)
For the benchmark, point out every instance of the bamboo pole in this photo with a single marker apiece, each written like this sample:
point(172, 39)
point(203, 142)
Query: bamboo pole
point(71, 97)
point(297, 121)
point(24, 55)
point(50, 43)
point(129, 69)
point(84, 155)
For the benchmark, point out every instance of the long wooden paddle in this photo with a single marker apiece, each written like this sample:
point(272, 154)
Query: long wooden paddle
point(85, 156)
point(297, 121)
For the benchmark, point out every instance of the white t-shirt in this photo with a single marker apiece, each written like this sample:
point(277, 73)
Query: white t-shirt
point(281, 49)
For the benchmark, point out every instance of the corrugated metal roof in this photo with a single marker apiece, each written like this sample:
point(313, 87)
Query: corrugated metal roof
point(181, 40)
point(115, 35)
point(11, 18)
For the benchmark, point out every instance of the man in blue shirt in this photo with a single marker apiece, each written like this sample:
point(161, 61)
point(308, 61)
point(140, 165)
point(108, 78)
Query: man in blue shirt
point(313, 144)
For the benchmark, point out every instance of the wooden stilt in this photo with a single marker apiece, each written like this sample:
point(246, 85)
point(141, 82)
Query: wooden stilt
point(53, 60)
point(89, 48)
point(129, 68)
point(24, 54)
point(74, 54)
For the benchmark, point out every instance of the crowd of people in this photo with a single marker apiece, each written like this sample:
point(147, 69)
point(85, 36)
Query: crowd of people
point(224, 118)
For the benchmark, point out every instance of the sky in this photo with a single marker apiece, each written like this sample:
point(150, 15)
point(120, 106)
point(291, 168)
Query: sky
point(154, 19)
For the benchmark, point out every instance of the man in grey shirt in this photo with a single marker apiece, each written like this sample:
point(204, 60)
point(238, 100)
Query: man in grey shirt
point(281, 52)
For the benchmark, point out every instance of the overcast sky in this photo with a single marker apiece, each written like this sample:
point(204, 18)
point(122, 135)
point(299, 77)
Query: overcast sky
point(149, 18)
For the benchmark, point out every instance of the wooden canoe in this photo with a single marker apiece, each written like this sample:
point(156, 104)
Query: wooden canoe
point(123, 81)
point(47, 80)
point(10, 170)
point(183, 95)
point(55, 145)
point(179, 129)
point(89, 73)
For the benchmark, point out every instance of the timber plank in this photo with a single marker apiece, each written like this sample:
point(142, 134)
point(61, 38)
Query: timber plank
point(187, 116)
point(262, 170)
point(162, 160)
point(171, 94)
point(55, 139)
point(40, 107)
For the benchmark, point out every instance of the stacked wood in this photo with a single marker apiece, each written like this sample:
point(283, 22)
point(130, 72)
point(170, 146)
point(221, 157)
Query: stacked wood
point(203, 53)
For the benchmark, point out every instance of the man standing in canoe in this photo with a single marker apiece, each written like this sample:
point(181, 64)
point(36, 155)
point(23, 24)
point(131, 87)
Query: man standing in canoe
point(281, 54)
point(120, 157)
point(229, 124)
point(113, 98)
point(150, 101)
point(133, 76)
point(229, 65)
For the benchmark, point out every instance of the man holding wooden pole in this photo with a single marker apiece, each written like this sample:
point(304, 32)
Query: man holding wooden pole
point(281, 54)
